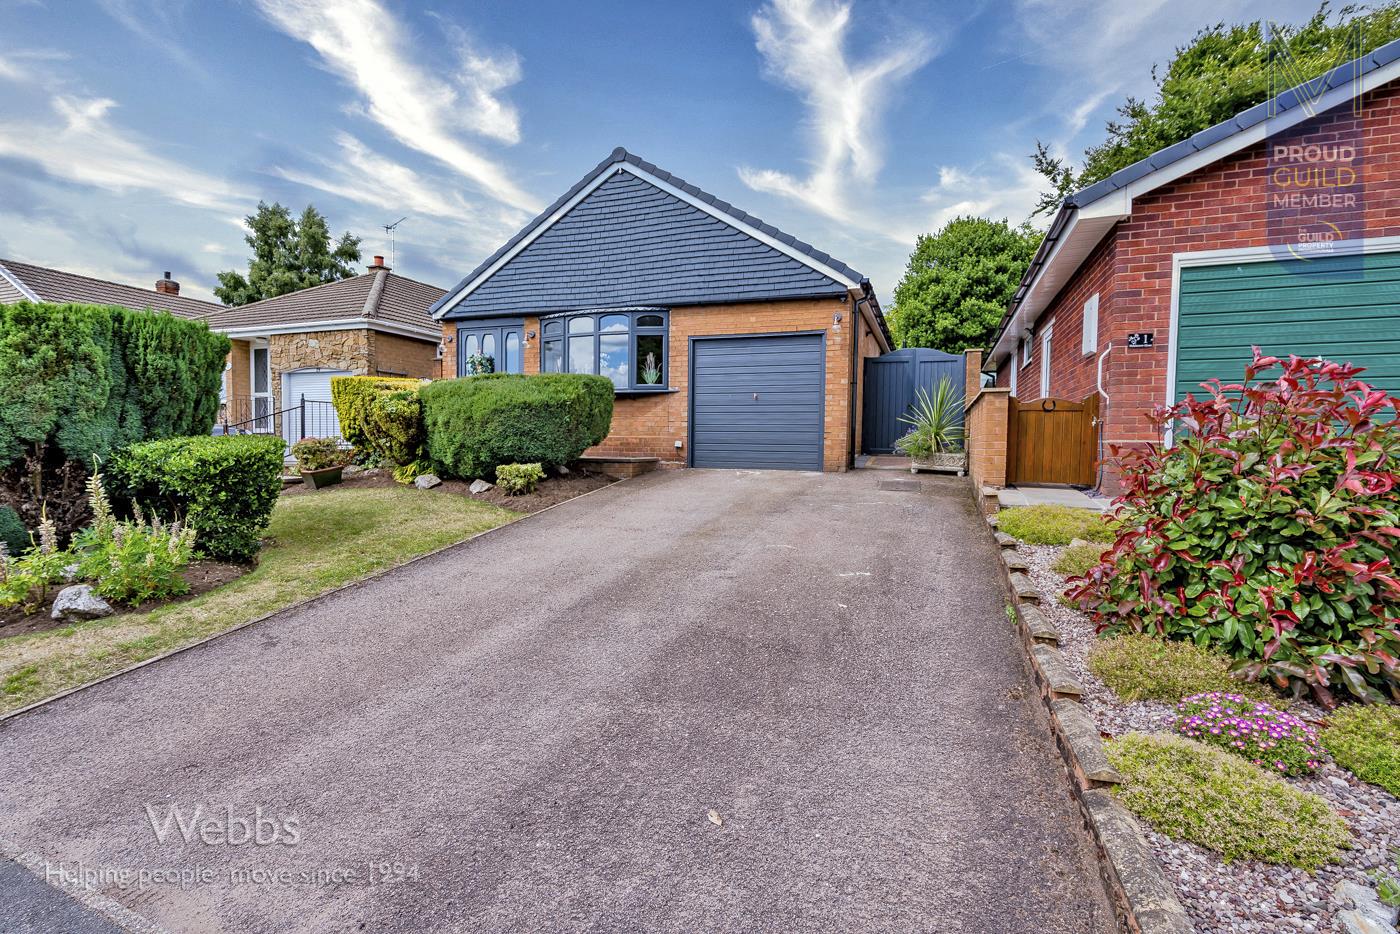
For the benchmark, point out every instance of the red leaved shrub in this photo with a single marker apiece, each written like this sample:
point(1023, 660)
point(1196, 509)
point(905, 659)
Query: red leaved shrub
point(1269, 530)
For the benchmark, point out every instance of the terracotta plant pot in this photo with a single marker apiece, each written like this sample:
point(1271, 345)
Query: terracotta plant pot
point(319, 478)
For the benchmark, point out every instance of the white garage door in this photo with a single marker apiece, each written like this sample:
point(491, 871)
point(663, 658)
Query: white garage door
point(306, 405)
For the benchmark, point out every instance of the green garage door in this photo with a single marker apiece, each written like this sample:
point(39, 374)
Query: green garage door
point(1343, 308)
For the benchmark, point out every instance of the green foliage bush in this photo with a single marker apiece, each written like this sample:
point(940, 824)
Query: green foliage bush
point(354, 397)
point(1076, 560)
point(78, 382)
point(318, 453)
point(477, 423)
point(223, 487)
point(1365, 740)
point(13, 535)
point(1270, 529)
point(516, 479)
point(1208, 797)
point(1053, 525)
point(1143, 667)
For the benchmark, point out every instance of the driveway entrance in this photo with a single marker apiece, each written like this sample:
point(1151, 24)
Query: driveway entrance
point(696, 701)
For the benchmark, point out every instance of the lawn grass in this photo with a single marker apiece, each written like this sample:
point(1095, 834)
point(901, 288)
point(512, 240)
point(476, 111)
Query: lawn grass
point(317, 543)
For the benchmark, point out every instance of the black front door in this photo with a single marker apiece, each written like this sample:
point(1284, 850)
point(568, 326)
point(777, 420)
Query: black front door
point(502, 341)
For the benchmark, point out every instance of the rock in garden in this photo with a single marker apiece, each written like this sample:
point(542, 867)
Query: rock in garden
point(562, 471)
point(351, 470)
point(1075, 543)
point(427, 481)
point(479, 486)
point(78, 603)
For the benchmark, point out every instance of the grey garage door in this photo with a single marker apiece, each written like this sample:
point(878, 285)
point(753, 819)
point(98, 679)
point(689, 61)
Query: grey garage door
point(757, 401)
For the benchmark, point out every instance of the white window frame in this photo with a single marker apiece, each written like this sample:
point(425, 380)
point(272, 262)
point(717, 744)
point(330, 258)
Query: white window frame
point(1359, 245)
point(1025, 350)
point(1045, 345)
point(1089, 339)
point(1015, 368)
point(253, 347)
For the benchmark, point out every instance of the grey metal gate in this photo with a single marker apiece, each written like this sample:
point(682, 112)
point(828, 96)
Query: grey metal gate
point(892, 382)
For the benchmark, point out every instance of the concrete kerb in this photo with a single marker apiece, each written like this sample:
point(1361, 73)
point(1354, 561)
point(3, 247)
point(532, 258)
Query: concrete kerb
point(1131, 874)
point(360, 582)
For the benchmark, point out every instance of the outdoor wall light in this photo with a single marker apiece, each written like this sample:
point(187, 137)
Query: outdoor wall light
point(530, 335)
point(836, 318)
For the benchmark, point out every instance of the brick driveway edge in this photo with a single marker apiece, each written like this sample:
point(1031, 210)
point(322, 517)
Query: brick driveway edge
point(1132, 877)
point(351, 585)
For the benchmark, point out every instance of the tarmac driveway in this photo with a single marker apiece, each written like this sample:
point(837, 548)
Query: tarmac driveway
point(696, 701)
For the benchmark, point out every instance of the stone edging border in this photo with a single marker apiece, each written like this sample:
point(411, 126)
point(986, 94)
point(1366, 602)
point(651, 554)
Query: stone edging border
point(1142, 896)
point(358, 582)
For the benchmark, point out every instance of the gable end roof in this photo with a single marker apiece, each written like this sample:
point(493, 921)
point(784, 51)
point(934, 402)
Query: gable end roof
point(777, 274)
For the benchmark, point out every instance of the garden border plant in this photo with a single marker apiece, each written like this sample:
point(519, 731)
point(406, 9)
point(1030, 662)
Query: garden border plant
point(1270, 529)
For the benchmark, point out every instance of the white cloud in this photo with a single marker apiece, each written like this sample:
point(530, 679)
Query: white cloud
point(803, 43)
point(1004, 187)
point(362, 43)
point(83, 145)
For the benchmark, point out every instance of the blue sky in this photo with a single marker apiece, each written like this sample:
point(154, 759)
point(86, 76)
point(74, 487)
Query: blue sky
point(135, 136)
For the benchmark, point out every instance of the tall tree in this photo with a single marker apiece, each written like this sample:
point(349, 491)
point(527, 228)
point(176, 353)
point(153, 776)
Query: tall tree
point(1224, 70)
point(288, 254)
point(958, 283)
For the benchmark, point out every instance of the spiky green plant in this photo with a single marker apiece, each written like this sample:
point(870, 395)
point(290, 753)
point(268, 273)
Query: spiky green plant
point(936, 422)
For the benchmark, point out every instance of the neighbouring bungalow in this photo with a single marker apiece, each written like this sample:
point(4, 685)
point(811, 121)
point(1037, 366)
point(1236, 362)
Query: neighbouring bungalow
point(27, 282)
point(729, 342)
point(1279, 228)
point(286, 349)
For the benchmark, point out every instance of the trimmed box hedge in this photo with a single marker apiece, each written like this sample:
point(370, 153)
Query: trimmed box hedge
point(224, 487)
point(478, 423)
point(354, 399)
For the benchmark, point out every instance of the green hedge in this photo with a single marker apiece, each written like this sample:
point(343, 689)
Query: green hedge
point(78, 382)
point(354, 398)
point(477, 423)
point(225, 487)
point(13, 534)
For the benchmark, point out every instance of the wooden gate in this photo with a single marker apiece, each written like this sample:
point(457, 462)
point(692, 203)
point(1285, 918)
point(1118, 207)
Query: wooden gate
point(1053, 441)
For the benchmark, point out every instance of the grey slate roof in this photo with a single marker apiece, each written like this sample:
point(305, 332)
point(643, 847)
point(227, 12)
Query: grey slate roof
point(377, 295)
point(631, 243)
point(55, 285)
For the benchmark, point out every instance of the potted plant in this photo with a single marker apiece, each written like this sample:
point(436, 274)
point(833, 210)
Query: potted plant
point(935, 438)
point(319, 461)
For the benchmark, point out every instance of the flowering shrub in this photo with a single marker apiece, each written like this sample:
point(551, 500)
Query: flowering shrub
point(1271, 530)
point(1265, 735)
point(132, 562)
point(25, 580)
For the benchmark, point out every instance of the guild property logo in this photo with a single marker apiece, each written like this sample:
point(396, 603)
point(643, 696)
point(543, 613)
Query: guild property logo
point(1316, 164)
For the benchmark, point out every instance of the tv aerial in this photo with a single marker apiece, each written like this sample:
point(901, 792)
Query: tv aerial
point(390, 229)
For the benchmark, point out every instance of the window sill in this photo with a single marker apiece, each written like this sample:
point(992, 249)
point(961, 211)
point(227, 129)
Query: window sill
point(659, 391)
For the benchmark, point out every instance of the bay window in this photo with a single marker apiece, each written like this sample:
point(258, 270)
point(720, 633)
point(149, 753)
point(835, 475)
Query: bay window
point(628, 347)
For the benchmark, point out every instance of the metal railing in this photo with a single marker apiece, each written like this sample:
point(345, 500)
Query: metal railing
point(309, 418)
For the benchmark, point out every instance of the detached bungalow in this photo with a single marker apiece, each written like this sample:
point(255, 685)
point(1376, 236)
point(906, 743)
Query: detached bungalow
point(1279, 228)
point(729, 342)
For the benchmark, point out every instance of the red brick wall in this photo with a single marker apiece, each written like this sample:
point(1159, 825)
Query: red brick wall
point(1222, 206)
point(650, 426)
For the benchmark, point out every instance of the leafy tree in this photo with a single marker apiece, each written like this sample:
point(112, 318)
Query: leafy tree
point(958, 283)
point(288, 254)
point(1224, 70)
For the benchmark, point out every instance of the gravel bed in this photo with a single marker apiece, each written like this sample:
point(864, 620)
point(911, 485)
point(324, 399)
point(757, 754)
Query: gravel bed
point(1243, 896)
